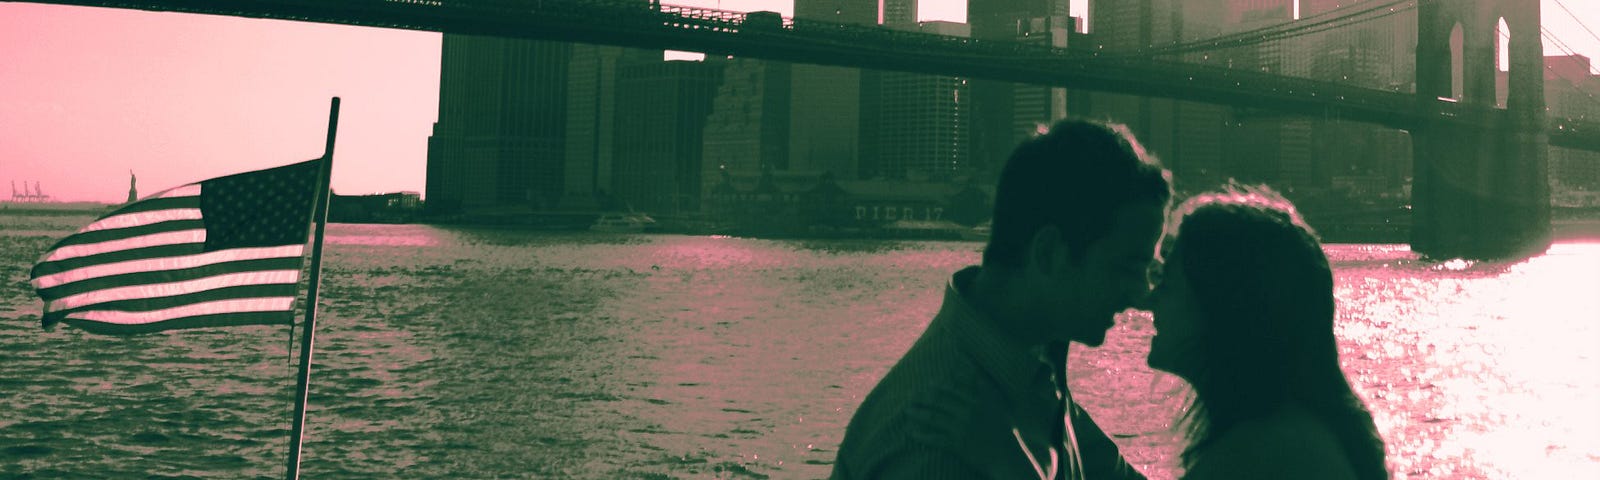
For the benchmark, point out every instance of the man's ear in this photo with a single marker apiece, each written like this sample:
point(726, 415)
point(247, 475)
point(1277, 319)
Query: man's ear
point(1046, 249)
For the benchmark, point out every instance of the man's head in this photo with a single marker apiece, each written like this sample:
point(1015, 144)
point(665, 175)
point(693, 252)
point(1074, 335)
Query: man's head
point(1077, 213)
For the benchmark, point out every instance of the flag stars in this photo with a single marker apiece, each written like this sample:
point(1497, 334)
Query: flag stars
point(260, 209)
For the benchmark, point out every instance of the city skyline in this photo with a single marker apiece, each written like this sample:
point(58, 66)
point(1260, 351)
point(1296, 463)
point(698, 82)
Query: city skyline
point(82, 110)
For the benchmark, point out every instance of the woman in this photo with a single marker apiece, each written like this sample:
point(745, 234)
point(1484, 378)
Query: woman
point(1244, 313)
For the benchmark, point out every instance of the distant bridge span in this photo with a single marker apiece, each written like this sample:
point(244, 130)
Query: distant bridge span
point(1481, 185)
point(639, 24)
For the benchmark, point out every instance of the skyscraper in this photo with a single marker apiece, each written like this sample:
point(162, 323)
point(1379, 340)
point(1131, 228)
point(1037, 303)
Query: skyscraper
point(922, 122)
point(747, 130)
point(1186, 136)
point(502, 120)
point(1001, 18)
point(592, 115)
point(659, 140)
point(1379, 53)
point(825, 101)
point(996, 127)
point(1033, 106)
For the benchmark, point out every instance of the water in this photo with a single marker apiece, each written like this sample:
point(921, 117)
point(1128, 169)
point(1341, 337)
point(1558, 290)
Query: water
point(477, 353)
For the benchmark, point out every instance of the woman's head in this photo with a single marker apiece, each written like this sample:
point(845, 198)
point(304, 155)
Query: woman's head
point(1246, 293)
point(1244, 311)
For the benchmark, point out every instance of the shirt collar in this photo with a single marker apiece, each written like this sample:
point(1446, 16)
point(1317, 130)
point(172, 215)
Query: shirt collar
point(1014, 365)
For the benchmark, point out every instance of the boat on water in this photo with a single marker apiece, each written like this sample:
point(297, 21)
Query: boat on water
point(623, 222)
point(979, 233)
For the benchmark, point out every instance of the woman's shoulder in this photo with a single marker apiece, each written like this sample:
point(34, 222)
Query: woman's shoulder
point(1289, 443)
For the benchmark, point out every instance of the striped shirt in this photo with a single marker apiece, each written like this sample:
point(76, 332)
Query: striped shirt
point(963, 359)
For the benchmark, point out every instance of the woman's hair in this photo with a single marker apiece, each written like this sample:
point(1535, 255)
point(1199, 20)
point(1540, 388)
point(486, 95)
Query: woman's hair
point(1265, 294)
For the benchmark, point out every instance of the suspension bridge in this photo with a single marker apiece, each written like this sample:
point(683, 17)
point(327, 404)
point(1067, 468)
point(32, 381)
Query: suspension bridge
point(1480, 163)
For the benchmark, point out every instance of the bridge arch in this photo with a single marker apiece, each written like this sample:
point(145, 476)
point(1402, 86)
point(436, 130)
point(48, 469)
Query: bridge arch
point(1460, 44)
point(1502, 61)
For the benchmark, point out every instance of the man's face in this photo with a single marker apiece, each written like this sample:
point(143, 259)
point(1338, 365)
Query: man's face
point(1109, 278)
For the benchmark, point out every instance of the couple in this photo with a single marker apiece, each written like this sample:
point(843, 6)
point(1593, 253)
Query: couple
point(1243, 311)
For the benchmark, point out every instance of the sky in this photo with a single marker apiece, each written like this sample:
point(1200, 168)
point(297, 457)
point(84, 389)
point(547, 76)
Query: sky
point(88, 94)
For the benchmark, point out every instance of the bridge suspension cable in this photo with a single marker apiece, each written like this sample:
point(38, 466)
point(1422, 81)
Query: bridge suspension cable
point(1332, 19)
point(1567, 49)
point(1570, 83)
point(1576, 19)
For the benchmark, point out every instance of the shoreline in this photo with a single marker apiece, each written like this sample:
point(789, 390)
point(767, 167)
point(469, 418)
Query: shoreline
point(1562, 228)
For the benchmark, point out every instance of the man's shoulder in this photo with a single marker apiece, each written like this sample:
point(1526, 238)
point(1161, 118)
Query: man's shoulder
point(927, 374)
point(892, 420)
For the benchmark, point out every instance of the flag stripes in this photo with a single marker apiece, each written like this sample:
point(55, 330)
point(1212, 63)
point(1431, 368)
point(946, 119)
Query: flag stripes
point(160, 263)
point(118, 256)
point(137, 307)
point(199, 308)
point(173, 268)
point(106, 235)
point(155, 239)
point(173, 289)
point(143, 218)
point(158, 203)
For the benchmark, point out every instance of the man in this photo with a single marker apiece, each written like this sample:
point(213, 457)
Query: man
point(982, 393)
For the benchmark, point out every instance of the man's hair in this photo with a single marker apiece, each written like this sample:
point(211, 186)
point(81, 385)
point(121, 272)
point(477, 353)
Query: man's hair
point(1075, 177)
point(1265, 294)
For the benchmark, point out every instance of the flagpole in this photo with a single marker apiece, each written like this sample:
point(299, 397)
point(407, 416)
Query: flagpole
point(320, 214)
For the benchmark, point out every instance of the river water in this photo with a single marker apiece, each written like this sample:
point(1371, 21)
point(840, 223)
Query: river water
point(481, 353)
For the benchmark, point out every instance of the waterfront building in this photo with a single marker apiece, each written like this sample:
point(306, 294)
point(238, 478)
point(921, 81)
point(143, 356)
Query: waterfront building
point(796, 203)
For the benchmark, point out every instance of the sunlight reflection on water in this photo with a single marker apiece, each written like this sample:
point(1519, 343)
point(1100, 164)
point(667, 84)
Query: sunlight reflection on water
point(484, 353)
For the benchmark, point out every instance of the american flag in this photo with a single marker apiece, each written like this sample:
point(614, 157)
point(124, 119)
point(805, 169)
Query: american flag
point(224, 251)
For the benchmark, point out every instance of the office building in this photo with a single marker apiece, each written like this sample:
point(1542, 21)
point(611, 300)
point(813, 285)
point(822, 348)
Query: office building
point(660, 139)
point(922, 122)
point(592, 115)
point(747, 130)
point(997, 125)
point(825, 101)
point(501, 129)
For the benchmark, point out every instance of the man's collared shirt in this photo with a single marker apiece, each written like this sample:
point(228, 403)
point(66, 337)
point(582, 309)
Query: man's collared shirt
point(1010, 428)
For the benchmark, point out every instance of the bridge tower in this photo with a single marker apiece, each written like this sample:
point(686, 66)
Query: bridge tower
point(1481, 186)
